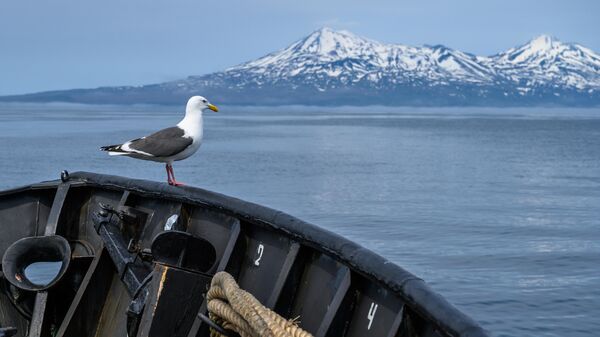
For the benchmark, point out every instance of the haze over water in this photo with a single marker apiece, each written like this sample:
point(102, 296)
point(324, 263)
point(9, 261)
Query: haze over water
point(497, 209)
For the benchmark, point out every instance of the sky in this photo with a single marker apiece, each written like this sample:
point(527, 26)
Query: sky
point(65, 44)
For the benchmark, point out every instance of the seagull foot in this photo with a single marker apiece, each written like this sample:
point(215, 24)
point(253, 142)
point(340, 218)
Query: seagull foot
point(175, 183)
point(171, 177)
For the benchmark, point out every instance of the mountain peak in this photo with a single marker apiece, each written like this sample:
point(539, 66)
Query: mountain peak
point(324, 30)
point(327, 41)
point(543, 42)
point(328, 31)
point(538, 48)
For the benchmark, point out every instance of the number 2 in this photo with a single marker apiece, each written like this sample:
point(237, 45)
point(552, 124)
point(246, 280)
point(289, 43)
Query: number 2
point(259, 251)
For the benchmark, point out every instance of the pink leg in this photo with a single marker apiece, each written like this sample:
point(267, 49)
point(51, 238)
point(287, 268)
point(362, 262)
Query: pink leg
point(169, 179)
point(173, 180)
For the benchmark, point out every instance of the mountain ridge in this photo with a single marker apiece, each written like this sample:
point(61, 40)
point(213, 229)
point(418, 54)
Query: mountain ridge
point(330, 67)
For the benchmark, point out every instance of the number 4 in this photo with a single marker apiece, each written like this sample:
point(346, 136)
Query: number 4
point(371, 314)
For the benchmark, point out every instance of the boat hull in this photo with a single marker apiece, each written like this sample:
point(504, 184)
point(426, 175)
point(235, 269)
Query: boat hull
point(335, 286)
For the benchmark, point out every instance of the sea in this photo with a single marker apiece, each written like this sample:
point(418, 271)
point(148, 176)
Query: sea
point(498, 209)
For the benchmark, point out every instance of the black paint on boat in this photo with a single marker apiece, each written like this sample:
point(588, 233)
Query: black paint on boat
point(119, 263)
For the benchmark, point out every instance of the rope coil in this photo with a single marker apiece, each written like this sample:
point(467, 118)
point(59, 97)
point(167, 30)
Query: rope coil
point(237, 310)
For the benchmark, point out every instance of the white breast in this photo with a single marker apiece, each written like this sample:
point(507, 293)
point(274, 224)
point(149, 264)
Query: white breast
point(193, 127)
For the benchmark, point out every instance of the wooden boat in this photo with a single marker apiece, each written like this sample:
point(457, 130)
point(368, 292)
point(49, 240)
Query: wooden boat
point(136, 257)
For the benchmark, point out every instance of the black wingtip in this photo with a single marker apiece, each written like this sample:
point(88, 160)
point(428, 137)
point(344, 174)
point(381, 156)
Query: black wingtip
point(116, 148)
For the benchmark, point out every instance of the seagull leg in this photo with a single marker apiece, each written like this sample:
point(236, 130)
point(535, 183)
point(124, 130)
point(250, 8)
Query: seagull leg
point(169, 180)
point(174, 182)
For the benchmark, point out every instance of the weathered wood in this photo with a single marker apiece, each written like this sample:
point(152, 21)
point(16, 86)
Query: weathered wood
point(175, 296)
point(124, 198)
point(396, 325)
point(36, 326)
point(37, 318)
point(57, 208)
point(283, 275)
point(82, 316)
point(233, 238)
point(333, 308)
point(113, 318)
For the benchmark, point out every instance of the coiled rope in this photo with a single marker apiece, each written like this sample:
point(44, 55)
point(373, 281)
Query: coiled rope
point(237, 310)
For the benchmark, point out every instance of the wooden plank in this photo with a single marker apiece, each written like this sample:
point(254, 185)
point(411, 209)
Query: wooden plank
point(41, 298)
point(173, 310)
point(57, 206)
point(377, 311)
point(235, 233)
point(37, 318)
point(335, 304)
point(74, 321)
point(396, 325)
point(283, 275)
point(124, 198)
point(113, 318)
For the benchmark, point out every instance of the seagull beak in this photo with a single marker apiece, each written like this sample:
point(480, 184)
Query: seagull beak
point(213, 108)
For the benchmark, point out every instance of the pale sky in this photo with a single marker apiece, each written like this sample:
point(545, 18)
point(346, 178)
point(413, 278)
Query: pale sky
point(64, 44)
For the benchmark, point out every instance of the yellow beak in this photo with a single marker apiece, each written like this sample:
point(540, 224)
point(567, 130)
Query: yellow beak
point(213, 108)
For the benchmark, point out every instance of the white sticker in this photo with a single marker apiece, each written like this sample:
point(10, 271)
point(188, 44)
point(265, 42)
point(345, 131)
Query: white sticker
point(371, 314)
point(260, 251)
point(171, 221)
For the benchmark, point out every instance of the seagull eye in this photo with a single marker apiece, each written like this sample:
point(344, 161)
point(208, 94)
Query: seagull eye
point(203, 101)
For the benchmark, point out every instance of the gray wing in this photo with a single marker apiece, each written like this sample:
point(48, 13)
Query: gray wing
point(164, 143)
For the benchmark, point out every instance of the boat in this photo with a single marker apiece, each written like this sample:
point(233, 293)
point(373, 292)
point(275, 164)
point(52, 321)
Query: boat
point(135, 258)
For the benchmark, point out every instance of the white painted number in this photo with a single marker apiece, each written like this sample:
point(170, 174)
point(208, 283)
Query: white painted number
point(260, 251)
point(371, 315)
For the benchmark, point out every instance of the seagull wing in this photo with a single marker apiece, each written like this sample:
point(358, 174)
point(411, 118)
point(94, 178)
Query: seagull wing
point(164, 143)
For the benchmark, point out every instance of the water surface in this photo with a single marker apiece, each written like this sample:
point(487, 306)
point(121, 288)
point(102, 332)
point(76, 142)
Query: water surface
point(498, 209)
point(42, 273)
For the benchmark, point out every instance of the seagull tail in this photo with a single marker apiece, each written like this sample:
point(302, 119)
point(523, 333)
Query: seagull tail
point(114, 150)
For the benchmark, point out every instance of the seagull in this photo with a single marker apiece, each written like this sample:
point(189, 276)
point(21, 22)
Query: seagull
point(170, 144)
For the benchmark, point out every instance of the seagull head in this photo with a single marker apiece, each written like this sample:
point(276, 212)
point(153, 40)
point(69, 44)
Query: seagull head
point(199, 103)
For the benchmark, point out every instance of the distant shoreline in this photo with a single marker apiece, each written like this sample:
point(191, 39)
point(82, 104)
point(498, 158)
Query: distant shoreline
point(448, 111)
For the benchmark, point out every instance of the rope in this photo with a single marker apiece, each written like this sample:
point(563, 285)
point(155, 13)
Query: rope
point(237, 310)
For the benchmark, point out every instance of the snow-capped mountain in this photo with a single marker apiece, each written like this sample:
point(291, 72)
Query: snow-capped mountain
point(344, 57)
point(545, 61)
point(338, 67)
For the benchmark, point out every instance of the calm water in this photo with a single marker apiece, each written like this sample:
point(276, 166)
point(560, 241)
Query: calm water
point(42, 273)
point(499, 210)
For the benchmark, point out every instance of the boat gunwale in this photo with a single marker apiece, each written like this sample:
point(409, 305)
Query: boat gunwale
point(409, 288)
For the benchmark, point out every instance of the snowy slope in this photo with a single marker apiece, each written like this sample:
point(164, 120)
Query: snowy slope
point(546, 61)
